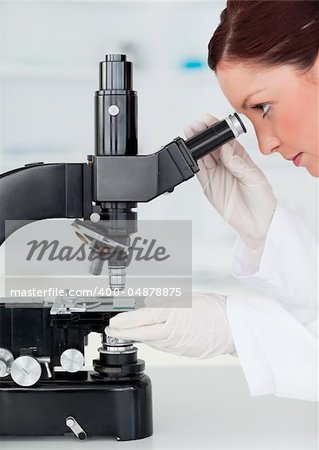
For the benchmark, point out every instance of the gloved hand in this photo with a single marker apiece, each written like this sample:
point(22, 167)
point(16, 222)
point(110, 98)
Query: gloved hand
point(236, 188)
point(197, 328)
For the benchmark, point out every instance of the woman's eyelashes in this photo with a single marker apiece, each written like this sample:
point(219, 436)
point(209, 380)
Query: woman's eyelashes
point(264, 107)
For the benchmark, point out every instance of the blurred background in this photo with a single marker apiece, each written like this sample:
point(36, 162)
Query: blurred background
point(49, 55)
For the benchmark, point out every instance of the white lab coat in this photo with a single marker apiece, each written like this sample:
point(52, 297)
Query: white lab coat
point(275, 334)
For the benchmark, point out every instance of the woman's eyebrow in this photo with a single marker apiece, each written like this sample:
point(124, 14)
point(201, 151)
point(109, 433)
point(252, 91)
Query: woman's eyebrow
point(244, 104)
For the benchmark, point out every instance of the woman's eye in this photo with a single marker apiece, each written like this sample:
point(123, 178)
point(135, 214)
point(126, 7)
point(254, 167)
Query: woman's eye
point(264, 107)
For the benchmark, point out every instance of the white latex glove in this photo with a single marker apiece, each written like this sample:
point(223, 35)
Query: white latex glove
point(236, 188)
point(197, 328)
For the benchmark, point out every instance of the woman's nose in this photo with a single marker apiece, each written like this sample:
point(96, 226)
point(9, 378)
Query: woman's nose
point(267, 142)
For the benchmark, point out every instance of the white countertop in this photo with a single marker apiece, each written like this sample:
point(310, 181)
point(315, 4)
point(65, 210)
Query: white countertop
point(205, 408)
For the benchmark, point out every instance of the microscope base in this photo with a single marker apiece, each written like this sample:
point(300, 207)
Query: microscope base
point(119, 408)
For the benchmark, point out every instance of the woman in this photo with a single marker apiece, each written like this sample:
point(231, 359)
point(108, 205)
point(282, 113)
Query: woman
point(265, 55)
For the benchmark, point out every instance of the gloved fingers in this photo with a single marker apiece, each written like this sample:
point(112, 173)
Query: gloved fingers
point(202, 167)
point(235, 163)
point(227, 154)
point(147, 333)
point(139, 317)
point(188, 132)
point(240, 150)
point(164, 346)
point(210, 160)
point(201, 331)
point(194, 128)
point(197, 126)
point(243, 168)
point(209, 120)
point(207, 166)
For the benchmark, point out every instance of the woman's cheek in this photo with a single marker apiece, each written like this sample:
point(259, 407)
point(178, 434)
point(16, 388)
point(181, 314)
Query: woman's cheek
point(291, 128)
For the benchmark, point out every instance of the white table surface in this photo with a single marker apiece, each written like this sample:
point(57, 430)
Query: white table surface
point(205, 408)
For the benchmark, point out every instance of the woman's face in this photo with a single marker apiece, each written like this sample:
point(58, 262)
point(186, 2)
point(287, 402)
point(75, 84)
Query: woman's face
point(282, 105)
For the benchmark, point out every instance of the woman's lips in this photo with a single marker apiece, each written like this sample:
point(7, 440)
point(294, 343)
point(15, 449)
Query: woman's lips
point(297, 159)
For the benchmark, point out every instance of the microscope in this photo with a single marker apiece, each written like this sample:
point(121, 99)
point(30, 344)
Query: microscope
point(44, 388)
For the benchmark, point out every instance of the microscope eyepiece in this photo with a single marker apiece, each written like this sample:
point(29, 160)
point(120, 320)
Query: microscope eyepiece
point(215, 136)
point(236, 125)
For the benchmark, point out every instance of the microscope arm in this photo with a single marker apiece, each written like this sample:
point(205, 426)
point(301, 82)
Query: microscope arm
point(43, 191)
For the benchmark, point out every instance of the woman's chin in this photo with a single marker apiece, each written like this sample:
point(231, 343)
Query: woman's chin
point(313, 170)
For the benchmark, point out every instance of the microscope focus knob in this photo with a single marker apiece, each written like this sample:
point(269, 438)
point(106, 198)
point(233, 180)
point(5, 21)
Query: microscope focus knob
point(26, 371)
point(72, 360)
point(6, 360)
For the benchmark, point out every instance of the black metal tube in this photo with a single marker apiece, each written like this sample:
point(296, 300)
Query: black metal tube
point(115, 109)
point(215, 136)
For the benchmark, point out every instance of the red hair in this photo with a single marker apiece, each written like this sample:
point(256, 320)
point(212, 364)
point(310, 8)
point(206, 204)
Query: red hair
point(267, 32)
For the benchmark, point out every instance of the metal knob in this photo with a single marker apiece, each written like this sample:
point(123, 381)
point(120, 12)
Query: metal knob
point(72, 360)
point(26, 371)
point(6, 360)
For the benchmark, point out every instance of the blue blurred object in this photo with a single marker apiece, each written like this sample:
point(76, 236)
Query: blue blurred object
point(193, 64)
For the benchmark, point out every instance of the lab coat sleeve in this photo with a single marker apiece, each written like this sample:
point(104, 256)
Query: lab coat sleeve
point(277, 353)
point(288, 270)
point(275, 334)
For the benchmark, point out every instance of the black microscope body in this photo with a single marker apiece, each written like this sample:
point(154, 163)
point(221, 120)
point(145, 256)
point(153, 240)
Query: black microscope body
point(43, 387)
